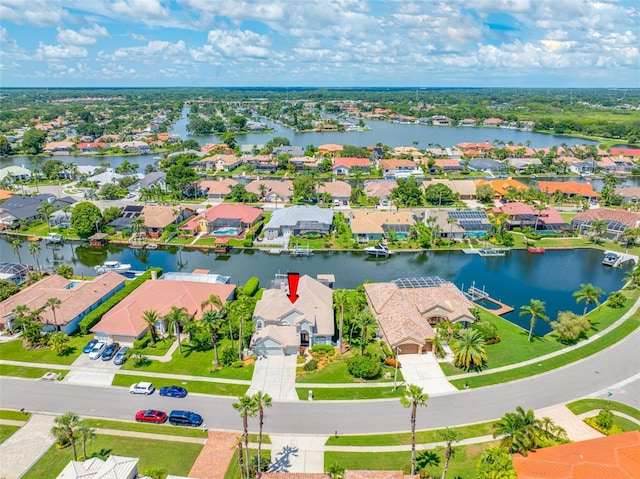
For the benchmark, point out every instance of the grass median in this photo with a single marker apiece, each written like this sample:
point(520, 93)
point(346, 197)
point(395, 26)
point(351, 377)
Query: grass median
point(6, 431)
point(14, 415)
point(585, 405)
point(27, 371)
point(165, 429)
point(202, 387)
point(15, 351)
point(345, 394)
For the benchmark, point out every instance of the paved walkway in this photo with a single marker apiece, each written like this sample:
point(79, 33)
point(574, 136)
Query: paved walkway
point(212, 462)
point(423, 370)
point(296, 453)
point(576, 429)
point(276, 376)
point(25, 446)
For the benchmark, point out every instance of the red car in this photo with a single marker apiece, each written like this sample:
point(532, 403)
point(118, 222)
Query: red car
point(151, 415)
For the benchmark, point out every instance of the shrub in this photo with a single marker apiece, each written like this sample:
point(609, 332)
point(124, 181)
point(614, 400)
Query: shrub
point(142, 342)
point(364, 367)
point(91, 319)
point(326, 348)
point(251, 286)
point(312, 365)
point(495, 340)
point(487, 329)
point(237, 364)
point(604, 419)
point(593, 422)
point(65, 271)
point(616, 300)
point(394, 363)
point(228, 356)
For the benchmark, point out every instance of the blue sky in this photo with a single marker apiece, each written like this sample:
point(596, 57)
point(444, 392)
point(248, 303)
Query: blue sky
point(330, 43)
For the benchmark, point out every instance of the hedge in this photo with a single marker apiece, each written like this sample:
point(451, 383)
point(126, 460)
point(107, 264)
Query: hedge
point(91, 319)
point(251, 286)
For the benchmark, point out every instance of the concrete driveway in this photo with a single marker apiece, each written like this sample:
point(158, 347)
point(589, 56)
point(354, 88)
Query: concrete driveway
point(423, 370)
point(276, 376)
point(92, 372)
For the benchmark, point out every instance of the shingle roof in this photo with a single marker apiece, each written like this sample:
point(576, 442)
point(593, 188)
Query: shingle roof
point(379, 189)
point(340, 189)
point(159, 216)
point(291, 216)
point(605, 214)
point(372, 222)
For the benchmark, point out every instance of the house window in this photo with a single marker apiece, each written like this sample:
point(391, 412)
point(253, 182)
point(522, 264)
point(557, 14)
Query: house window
point(259, 324)
point(284, 322)
point(433, 320)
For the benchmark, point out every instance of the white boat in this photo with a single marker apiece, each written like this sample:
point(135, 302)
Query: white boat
point(115, 266)
point(610, 259)
point(53, 238)
point(378, 250)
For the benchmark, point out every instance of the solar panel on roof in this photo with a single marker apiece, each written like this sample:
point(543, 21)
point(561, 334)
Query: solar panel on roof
point(469, 214)
point(421, 282)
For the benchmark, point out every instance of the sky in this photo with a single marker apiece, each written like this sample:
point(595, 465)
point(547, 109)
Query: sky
point(320, 43)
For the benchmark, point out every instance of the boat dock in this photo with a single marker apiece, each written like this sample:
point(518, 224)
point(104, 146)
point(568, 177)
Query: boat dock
point(615, 259)
point(478, 296)
point(486, 251)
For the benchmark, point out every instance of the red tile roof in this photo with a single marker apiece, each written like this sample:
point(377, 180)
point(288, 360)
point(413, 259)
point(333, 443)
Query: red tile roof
point(245, 213)
point(626, 217)
point(568, 188)
point(626, 151)
point(611, 457)
point(351, 162)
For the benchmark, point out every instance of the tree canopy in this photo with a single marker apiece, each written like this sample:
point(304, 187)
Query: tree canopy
point(86, 219)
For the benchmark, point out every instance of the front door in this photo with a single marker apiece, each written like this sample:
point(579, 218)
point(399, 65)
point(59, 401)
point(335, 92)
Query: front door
point(304, 338)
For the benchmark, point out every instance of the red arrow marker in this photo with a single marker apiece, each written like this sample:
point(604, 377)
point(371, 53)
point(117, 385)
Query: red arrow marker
point(293, 278)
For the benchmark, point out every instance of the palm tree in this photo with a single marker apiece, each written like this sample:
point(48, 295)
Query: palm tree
point(535, 309)
point(262, 188)
point(174, 318)
point(340, 298)
point(335, 470)
point(261, 401)
point(630, 235)
point(45, 209)
point(209, 321)
point(15, 244)
point(539, 207)
point(589, 294)
point(520, 431)
point(34, 249)
point(247, 408)
point(598, 227)
point(365, 320)
point(633, 276)
point(53, 303)
point(86, 434)
point(150, 317)
point(448, 436)
point(413, 397)
point(58, 341)
point(21, 315)
point(469, 349)
point(65, 426)
point(137, 224)
point(211, 301)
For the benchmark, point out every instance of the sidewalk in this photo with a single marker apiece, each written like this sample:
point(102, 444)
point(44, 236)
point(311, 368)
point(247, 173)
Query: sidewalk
point(26, 446)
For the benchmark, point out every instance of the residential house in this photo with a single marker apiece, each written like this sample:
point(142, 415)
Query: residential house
point(630, 195)
point(114, 467)
point(215, 148)
point(380, 190)
point(407, 311)
point(124, 323)
point(444, 165)
point(523, 164)
point(282, 327)
point(218, 190)
point(92, 147)
point(340, 191)
point(299, 221)
point(394, 169)
point(617, 221)
point(374, 225)
point(502, 186)
point(568, 188)
point(129, 212)
point(487, 165)
point(223, 217)
point(475, 149)
point(624, 163)
point(439, 120)
point(304, 162)
point(519, 151)
point(407, 151)
point(158, 217)
point(77, 299)
point(344, 166)
point(5, 194)
point(13, 174)
point(526, 216)
point(633, 152)
point(20, 207)
point(492, 122)
point(262, 162)
point(273, 191)
point(616, 456)
point(220, 162)
point(467, 122)
point(155, 179)
point(293, 151)
point(59, 147)
point(330, 149)
point(465, 189)
point(457, 224)
point(135, 146)
point(15, 272)
point(105, 178)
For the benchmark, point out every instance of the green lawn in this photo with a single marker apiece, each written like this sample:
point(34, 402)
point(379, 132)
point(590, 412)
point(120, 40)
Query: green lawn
point(15, 351)
point(14, 415)
point(585, 405)
point(176, 457)
point(202, 387)
point(149, 428)
point(26, 371)
point(422, 437)
point(337, 372)
point(192, 363)
point(461, 465)
point(341, 394)
point(624, 424)
point(160, 349)
point(6, 431)
point(525, 371)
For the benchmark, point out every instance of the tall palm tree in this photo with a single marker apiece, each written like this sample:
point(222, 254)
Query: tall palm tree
point(45, 210)
point(589, 294)
point(86, 434)
point(536, 309)
point(469, 349)
point(246, 406)
point(137, 224)
point(448, 436)
point(65, 426)
point(150, 317)
point(212, 301)
point(21, 315)
point(633, 276)
point(413, 397)
point(261, 400)
point(34, 249)
point(15, 244)
point(598, 228)
point(520, 431)
point(340, 298)
point(539, 207)
point(210, 321)
point(365, 321)
point(175, 317)
point(53, 304)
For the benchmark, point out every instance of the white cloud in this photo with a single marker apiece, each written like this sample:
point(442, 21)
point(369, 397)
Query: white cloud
point(239, 43)
point(86, 36)
point(37, 12)
point(156, 51)
point(139, 9)
point(46, 52)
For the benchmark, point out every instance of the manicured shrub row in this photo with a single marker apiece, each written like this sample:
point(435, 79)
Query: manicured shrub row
point(251, 286)
point(91, 319)
point(326, 348)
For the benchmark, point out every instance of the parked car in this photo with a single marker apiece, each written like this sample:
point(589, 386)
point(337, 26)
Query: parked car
point(185, 418)
point(151, 415)
point(173, 391)
point(89, 346)
point(110, 351)
point(142, 388)
point(121, 356)
point(97, 349)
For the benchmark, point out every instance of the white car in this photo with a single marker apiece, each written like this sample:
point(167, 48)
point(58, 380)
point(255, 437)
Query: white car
point(141, 388)
point(97, 349)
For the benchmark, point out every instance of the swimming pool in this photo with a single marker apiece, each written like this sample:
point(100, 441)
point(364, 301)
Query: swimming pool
point(227, 231)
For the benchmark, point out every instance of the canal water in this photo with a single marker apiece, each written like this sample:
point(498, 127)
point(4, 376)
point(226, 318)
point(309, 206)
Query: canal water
point(514, 279)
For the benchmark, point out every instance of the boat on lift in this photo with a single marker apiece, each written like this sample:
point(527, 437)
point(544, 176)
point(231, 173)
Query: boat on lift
point(115, 266)
point(379, 250)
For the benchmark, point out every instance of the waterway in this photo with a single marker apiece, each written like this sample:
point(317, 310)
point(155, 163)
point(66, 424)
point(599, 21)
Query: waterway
point(514, 279)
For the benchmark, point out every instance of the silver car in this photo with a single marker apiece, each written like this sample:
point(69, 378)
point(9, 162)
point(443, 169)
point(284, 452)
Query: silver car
point(97, 349)
point(121, 356)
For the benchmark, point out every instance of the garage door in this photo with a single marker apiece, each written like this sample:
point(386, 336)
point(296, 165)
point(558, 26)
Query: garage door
point(273, 351)
point(408, 349)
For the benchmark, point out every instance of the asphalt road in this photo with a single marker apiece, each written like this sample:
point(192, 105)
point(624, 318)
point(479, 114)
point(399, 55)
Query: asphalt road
point(616, 369)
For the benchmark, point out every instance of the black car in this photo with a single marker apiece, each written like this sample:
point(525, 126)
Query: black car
point(110, 351)
point(121, 356)
point(185, 418)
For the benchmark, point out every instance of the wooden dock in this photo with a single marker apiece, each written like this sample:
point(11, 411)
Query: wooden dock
point(476, 295)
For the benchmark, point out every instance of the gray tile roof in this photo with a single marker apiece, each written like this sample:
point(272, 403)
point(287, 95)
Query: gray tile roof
point(295, 214)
